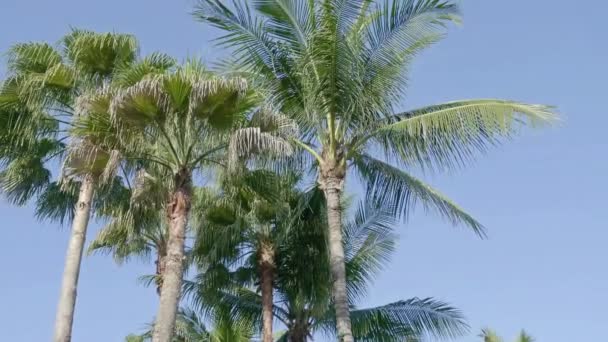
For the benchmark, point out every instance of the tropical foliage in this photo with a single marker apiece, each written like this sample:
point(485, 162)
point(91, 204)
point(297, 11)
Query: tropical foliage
point(339, 70)
point(238, 174)
point(489, 335)
point(42, 121)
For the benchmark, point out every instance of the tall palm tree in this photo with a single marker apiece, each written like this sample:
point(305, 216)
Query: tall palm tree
point(246, 224)
point(182, 122)
point(489, 335)
point(339, 68)
point(40, 105)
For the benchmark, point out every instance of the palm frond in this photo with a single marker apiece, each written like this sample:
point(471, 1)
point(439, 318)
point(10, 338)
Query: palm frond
point(388, 184)
point(368, 243)
point(99, 54)
point(57, 201)
point(409, 319)
point(450, 133)
point(490, 336)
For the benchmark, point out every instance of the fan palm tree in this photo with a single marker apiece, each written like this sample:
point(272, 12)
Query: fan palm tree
point(489, 335)
point(137, 226)
point(183, 123)
point(339, 69)
point(301, 277)
point(40, 109)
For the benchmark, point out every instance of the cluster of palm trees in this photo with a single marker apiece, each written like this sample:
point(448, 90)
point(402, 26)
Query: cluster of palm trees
point(238, 173)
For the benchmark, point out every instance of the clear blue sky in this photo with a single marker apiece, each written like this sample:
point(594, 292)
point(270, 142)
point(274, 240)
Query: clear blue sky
point(543, 196)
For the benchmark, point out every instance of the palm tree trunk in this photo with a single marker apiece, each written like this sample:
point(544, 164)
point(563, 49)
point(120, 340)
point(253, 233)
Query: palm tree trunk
point(160, 262)
point(71, 271)
point(298, 333)
point(332, 188)
point(267, 274)
point(177, 210)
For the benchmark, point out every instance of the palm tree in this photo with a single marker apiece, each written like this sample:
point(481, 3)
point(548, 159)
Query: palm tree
point(300, 276)
point(40, 111)
point(491, 336)
point(182, 122)
point(339, 69)
point(190, 327)
point(243, 225)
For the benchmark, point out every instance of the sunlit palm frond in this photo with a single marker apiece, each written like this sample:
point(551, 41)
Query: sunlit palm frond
point(99, 54)
point(289, 20)
point(32, 58)
point(451, 133)
point(155, 63)
point(243, 29)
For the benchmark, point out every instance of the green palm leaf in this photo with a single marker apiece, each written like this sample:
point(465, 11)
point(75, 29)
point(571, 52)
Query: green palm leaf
point(450, 133)
point(408, 320)
point(388, 184)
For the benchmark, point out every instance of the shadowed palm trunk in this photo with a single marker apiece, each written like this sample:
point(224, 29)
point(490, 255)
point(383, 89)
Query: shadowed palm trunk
point(69, 284)
point(331, 182)
point(161, 261)
point(267, 275)
point(178, 210)
point(298, 333)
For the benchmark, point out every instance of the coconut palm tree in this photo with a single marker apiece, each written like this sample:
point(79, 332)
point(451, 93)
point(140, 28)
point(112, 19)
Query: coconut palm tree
point(339, 69)
point(183, 122)
point(301, 282)
point(489, 335)
point(40, 109)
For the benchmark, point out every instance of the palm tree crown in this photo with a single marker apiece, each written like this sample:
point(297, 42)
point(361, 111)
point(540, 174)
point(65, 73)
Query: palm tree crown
point(339, 68)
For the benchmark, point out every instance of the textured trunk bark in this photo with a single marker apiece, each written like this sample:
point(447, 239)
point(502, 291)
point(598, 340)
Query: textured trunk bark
point(177, 210)
point(332, 188)
point(266, 262)
point(298, 334)
point(160, 262)
point(71, 271)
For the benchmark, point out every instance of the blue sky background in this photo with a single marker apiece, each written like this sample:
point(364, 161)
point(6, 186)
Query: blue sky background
point(542, 197)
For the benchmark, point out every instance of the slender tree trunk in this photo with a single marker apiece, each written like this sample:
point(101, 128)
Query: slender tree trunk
point(267, 265)
point(177, 210)
point(332, 185)
point(71, 271)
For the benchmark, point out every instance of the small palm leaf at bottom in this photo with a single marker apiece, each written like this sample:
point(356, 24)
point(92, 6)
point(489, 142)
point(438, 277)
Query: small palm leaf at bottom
point(524, 337)
point(410, 319)
point(490, 336)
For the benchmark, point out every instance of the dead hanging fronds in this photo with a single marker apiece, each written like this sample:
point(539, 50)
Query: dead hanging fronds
point(95, 102)
point(248, 141)
point(85, 159)
point(112, 165)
